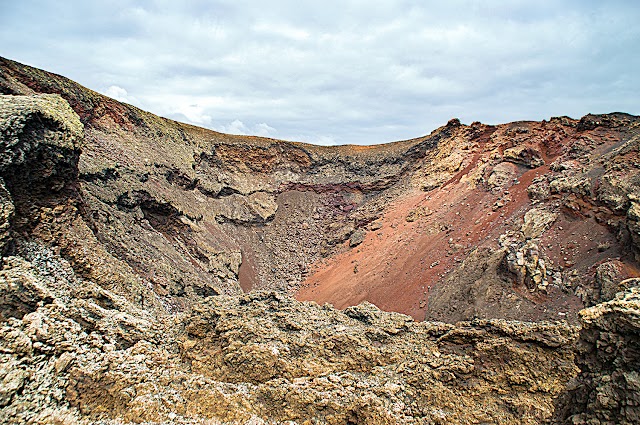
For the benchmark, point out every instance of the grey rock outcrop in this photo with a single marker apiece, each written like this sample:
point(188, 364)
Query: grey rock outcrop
point(607, 389)
point(75, 353)
point(124, 266)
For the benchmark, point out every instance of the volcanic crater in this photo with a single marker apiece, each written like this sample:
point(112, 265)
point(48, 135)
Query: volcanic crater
point(157, 272)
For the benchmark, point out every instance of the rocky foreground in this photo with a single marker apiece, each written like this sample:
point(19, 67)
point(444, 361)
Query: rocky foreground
point(129, 242)
point(75, 353)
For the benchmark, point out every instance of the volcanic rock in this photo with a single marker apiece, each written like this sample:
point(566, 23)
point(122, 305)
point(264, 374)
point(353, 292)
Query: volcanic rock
point(607, 389)
point(148, 269)
point(86, 355)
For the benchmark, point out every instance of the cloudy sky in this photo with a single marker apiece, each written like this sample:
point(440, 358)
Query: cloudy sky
point(335, 72)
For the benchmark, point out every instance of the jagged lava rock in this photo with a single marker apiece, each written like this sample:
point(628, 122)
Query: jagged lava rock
point(129, 241)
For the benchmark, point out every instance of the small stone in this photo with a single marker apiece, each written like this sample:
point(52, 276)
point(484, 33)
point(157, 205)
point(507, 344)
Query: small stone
point(12, 382)
point(357, 237)
point(63, 362)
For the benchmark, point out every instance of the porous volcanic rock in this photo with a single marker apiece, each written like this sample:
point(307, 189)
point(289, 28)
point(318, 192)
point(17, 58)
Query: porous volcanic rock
point(607, 389)
point(73, 352)
point(147, 268)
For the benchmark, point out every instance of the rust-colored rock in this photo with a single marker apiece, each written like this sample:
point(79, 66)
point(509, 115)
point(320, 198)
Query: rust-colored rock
point(147, 269)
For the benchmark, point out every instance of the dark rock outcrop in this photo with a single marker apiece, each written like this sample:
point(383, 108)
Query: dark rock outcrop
point(128, 240)
point(607, 389)
point(82, 354)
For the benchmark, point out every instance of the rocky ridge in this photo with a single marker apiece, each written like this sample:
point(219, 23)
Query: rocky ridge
point(606, 389)
point(125, 261)
point(73, 352)
point(182, 212)
point(192, 212)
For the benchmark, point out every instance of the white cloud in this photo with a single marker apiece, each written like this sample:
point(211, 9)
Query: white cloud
point(339, 72)
point(118, 93)
point(122, 95)
point(238, 127)
point(321, 140)
point(264, 130)
point(235, 127)
point(195, 114)
point(282, 30)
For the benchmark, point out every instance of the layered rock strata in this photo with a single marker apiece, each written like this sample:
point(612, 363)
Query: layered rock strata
point(128, 242)
point(446, 226)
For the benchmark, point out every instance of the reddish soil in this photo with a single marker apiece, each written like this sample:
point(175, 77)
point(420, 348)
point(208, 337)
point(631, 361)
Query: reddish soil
point(246, 273)
point(395, 267)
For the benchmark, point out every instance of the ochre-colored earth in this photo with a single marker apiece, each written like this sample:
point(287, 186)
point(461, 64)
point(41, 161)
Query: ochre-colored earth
point(149, 267)
point(423, 237)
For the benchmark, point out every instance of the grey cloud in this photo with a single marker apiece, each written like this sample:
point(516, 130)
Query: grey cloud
point(339, 72)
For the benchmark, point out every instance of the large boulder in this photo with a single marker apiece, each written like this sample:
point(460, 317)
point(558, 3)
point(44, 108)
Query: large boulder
point(607, 390)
